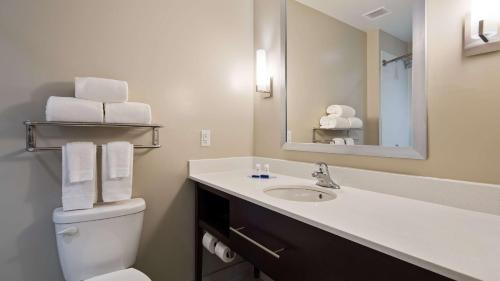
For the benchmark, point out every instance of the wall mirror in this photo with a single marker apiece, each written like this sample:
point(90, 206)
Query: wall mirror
point(354, 77)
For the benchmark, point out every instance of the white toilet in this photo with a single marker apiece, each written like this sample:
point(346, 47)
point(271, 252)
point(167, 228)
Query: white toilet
point(100, 244)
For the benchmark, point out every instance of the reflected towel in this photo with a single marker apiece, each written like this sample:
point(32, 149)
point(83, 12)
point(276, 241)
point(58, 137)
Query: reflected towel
point(334, 123)
point(338, 110)
point(355, 123)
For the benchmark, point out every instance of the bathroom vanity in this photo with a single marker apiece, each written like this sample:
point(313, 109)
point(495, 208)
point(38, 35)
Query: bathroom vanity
point(287, 249)
point(358, 235)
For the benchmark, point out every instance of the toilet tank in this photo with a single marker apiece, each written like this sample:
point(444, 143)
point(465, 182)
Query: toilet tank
point(98, 240)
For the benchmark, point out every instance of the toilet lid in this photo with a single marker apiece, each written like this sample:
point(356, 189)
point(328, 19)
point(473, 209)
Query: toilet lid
point(129, 274)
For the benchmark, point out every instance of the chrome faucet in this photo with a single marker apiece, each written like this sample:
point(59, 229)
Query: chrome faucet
point(323, 177)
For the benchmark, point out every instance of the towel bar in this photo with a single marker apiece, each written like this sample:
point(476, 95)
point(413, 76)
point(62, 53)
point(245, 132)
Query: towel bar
point(31, 132)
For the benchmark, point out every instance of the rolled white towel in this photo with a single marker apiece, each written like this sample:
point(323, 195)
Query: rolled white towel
point(100, 89)
point(325, 120)
point(355, 123)
point(127, 112)
point(338, 110)
point(336, 123)
point(68, 109)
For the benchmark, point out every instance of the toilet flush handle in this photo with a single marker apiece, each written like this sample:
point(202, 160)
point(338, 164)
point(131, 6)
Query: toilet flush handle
point(72, 230)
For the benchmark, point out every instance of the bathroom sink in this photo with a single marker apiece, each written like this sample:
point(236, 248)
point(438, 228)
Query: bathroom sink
point(300, 193)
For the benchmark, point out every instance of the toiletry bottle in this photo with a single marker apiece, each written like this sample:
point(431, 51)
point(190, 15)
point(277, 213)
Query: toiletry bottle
point(256, 171)
point(265, 172)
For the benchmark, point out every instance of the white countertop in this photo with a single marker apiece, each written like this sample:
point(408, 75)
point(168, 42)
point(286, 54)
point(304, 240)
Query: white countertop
point(457, 243)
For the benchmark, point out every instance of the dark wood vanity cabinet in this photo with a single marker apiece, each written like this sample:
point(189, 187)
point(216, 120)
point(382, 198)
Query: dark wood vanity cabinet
point(288, 250)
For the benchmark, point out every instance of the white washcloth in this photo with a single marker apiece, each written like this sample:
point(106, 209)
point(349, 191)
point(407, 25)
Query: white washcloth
point(349, 141)
point(73, 110)
point(80, 161)
point(116, 189)
point(119, 157)
point(335, 123)
point(338, 141)
point(338, 110)
point(100, 89)
point(355, 123)
point(127, 112)
point(79, 195)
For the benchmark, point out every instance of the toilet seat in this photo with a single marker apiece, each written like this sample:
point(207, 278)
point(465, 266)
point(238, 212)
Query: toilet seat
point(129, 274)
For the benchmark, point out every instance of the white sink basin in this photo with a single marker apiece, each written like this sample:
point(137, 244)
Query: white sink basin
point(300, 193)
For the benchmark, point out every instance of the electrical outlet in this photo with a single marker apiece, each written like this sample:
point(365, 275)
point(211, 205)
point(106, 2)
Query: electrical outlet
point(205, 137)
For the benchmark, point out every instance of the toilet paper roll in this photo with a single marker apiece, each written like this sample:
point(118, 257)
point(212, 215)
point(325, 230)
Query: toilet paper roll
point(224, 253)
point(209, 242)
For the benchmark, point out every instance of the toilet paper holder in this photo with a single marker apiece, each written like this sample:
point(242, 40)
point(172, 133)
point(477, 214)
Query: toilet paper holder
point(274, 253)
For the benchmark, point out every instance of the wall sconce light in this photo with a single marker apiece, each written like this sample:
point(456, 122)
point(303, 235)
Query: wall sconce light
point(481, 32)
point(264, 81)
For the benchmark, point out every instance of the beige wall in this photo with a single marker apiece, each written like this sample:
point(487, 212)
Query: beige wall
point(373, 87)
point(322, 70)
point(463, 93)
point(191, 60)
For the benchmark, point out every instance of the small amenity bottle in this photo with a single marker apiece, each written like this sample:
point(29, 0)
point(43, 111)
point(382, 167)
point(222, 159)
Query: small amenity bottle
point(265, 172)
point(257, 171)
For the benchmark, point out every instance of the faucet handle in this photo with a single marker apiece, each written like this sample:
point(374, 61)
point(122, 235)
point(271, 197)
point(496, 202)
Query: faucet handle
point(323, 167)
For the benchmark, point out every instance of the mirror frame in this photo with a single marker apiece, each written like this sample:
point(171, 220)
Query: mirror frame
point(419, 98)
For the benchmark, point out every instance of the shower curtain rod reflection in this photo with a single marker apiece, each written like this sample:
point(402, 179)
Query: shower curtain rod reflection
point(403, 57)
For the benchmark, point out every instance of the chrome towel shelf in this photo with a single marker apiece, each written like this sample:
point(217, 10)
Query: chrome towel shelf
point(31, 132)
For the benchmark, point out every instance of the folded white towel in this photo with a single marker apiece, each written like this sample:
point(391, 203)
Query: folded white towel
point(127, 112)
point(78, 195)
point(80, 161)
point(338, 110)
point(355, 123)
point(335, 123)
point(119, 188)
point(119, 153)
point(349, 141)
point(100, 89)
point(338, 141)
point(73, 110)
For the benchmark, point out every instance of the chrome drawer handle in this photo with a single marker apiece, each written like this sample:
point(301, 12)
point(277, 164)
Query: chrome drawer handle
point(271, 252)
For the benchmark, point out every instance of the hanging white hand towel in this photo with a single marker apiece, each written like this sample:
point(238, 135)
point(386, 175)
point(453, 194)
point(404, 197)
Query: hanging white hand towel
point(338, 110)
point(79, 188)
point(101, 89)
point(114, 157)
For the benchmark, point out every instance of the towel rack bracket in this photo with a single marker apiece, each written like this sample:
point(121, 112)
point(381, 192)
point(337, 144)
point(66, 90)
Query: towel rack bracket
point(31, 132)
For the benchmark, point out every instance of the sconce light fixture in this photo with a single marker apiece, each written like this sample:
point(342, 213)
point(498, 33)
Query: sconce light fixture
point(264, 81)
point(482, 27)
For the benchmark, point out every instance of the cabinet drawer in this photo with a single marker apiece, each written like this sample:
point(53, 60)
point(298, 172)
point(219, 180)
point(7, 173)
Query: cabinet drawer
point(309, 253)
point(254, 242)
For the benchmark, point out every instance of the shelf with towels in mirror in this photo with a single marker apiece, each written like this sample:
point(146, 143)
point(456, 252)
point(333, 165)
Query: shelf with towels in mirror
point(31, 145)
point(346, 131)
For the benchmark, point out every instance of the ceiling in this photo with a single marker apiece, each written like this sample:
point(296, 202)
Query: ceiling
point(397, 23)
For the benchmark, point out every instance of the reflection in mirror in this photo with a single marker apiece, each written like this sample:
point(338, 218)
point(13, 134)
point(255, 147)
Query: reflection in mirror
point(349, 72)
